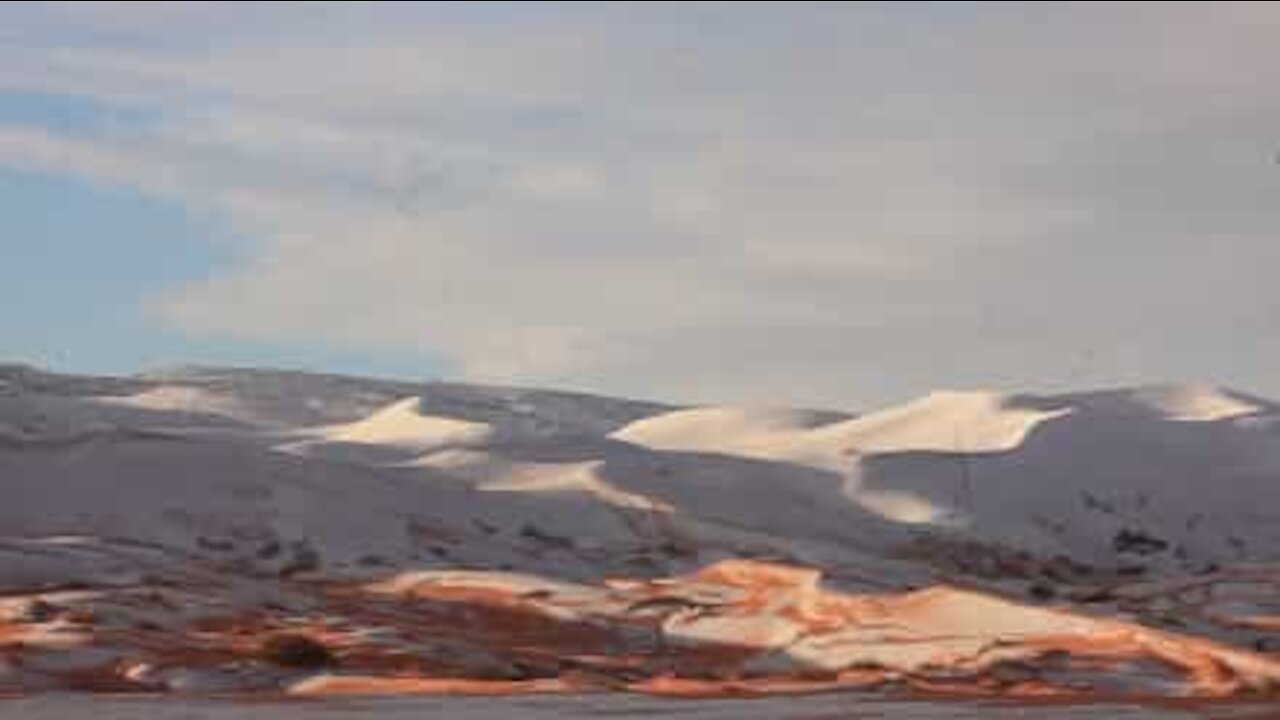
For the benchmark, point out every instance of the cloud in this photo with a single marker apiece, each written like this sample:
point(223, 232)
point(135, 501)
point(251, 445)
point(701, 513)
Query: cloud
point(821, 204)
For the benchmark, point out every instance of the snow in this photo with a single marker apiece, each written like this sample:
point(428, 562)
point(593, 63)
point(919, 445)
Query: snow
point(246, 479)
point(1190, 467)
point(1193, 466)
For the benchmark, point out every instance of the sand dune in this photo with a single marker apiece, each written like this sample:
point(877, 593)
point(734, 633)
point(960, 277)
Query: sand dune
point(403, 425)
point(1149, 518)
point(734, 431)
point(971, 422)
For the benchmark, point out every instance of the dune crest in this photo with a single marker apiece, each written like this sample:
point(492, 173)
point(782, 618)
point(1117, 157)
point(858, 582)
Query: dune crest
point(402, 424)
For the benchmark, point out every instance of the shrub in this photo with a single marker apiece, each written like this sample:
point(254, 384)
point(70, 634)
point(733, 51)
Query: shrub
point(1042, 591)
point(41, 611)
point(293, 650)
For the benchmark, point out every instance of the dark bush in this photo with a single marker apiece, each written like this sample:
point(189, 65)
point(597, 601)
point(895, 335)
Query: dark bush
point(305, 559)
point(1136, 541)
point(1042, 591)
point(1094, 595)
point(293, 650)
point(40, 611)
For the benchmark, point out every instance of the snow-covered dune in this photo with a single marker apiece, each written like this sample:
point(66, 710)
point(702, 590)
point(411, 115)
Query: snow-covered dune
point(1188, 474)
point(1176, 477)
point(1184, 475)
point(1155, 503)
point(729, 430)
point(403, 425)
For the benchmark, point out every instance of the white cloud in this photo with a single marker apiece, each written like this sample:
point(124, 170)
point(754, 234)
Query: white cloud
point(828, 204)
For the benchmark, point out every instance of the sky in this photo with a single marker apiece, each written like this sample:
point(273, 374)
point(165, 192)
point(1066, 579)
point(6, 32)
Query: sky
point(796, 203)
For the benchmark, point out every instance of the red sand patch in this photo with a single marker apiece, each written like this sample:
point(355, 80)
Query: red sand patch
point(340, 685)
point(738, 625)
